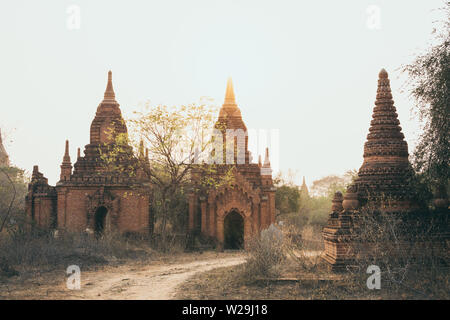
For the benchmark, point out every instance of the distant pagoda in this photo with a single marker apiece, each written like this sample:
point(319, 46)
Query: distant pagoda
point(304, 193)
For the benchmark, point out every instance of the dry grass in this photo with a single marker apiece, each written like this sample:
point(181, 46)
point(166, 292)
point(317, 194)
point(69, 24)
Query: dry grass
point(302, 274)
point(38, 251)
point(230, 284)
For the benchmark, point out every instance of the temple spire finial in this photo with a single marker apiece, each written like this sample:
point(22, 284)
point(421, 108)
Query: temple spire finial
point(66, 158)
point(229, 94)
point(266, 159)
point(266, 170)
point(66, 166)
point(383, 73)
point(109, 92)
point(66, 152)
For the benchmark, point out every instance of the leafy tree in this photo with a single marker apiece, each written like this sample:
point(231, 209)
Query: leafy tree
point(287, 199)
point(13, 188)
point(327, 186)
point(429, 79)
point(177, 138)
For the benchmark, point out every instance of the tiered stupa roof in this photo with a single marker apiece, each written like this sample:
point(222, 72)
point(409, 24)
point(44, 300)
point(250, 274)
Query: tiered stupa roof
point(105, 128)
point(230, 115)
point(230, 118)
point(385, 172)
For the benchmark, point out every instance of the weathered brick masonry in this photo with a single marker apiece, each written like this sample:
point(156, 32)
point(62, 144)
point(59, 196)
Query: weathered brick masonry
point(233, 213)
point(383, 183)
point(93, 197)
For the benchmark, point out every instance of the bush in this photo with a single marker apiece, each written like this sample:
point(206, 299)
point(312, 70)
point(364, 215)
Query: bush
point(265, 254)
point(407, 247)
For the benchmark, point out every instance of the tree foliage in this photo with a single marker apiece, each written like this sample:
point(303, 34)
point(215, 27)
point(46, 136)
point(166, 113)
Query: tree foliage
point(429, 79)
point(13, 188)
point(327, 186)
point(304, 210)
point(177, 139)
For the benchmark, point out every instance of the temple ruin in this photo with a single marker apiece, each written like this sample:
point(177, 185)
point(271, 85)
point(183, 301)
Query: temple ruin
point(232, 213)
point(383, 181)
point(92, 197)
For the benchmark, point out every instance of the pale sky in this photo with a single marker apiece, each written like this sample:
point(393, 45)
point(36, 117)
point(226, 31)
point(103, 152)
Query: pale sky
point(306, 68)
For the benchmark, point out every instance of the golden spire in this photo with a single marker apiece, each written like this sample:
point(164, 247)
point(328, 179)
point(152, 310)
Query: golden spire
point(109, 92)
point(229, 107)
point(229, 94)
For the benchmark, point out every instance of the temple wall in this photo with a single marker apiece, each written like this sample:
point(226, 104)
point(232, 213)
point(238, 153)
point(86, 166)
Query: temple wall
point(72, 215)
point(40, 209)
point(133, 216)
point(130, 214)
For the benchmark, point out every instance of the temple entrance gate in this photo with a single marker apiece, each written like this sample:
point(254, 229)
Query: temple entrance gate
point(233, 231)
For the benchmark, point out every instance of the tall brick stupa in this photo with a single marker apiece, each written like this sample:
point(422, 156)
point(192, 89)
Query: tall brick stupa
point(384, 178)
point(383, 181)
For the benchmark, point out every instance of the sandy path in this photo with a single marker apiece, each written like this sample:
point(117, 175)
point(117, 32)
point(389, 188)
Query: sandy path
point(149, 282)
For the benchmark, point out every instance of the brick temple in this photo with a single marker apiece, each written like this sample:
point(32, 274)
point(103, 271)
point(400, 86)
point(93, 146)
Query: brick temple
point(232, 213)
point(383, 181)
point(90, 196)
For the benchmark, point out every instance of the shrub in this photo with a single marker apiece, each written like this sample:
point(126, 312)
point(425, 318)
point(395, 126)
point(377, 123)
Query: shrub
point(265, 254)
point(407, 247)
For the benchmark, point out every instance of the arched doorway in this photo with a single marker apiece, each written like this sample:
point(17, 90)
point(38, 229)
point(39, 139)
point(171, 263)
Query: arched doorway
point(100, 220)
point(233, 231)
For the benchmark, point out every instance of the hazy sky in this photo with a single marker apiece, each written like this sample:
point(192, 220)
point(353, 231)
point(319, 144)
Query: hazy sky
point(307, 68)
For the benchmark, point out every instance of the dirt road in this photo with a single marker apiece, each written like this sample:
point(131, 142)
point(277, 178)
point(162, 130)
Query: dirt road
point(135, 281)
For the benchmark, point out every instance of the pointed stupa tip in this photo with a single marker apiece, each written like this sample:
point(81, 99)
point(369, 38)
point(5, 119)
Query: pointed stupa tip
point(79, 153)
point(66, 152)
point(259, 161)
point(304, 181)
point(229, 94)
point(266, 159)
point(109, 92)
point(383, 74)
point(66, 158)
